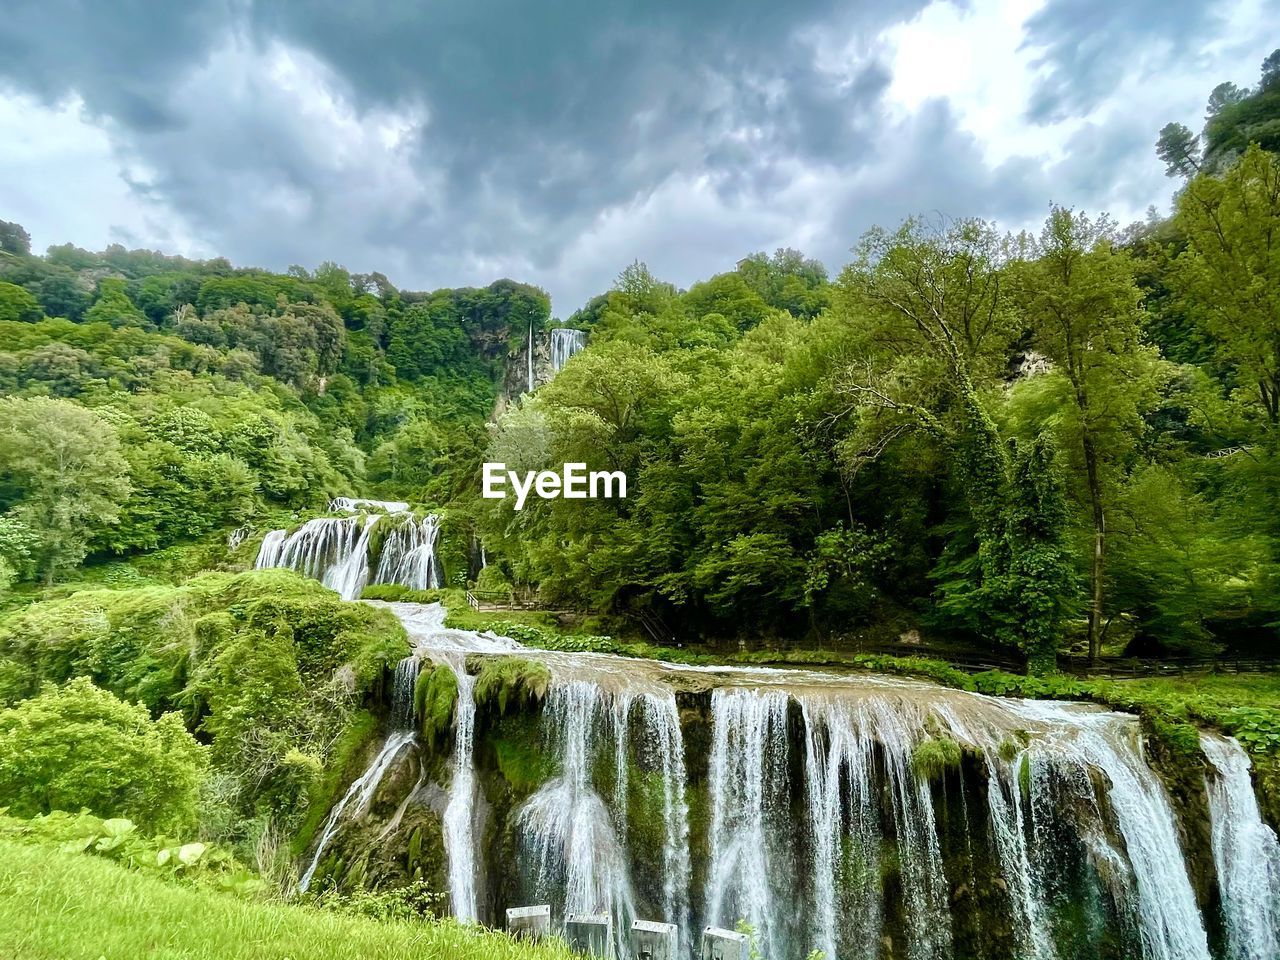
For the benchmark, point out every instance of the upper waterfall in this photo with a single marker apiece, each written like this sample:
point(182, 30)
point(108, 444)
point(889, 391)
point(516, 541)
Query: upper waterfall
point(565, 342)
point(341, 552)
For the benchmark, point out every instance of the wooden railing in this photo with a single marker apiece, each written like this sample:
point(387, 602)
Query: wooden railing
point(501, 600)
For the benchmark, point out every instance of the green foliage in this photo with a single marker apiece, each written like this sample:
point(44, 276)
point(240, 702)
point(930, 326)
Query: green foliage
point(17, 304)
point(79, 746)
point(270, 667)
point(415, 901)
point(1228, 275)
point(113, 305)
point(933, 758)
point(135, 915)
point(62, 478)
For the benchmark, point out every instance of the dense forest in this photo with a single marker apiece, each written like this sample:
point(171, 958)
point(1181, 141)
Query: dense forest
point(1055, 440)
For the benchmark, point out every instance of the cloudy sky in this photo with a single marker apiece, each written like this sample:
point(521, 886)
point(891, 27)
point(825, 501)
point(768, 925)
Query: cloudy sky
point(451, 142)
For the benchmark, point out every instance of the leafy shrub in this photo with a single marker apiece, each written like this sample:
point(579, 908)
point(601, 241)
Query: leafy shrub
point(119, 839)
point(79, 746)
point(272, 667)
point(413, 901)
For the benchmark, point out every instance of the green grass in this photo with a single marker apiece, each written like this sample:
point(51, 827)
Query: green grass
point(63, 906)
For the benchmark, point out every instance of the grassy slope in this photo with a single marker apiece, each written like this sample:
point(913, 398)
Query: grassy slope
point(62, 906)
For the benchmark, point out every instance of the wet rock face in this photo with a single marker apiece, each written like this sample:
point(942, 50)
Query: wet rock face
point(517, 376)
point(394, 840)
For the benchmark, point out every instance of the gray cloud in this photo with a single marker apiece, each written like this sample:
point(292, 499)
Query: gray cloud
point(1087, 46)
point(450, 143)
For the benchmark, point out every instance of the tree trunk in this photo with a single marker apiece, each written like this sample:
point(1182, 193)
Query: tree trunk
point(1099, 549)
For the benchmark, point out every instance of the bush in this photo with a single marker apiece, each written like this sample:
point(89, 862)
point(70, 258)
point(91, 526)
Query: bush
point(79, 747)
point(271, 667)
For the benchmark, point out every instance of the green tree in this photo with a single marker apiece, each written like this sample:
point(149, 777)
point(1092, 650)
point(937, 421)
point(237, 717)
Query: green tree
point(1083, 308)
point(1179, 148)
point(935, 325)
point(61, 475)
point(78, 746)
point(14, 240)
point(61, 295)
point(1228, 275)
point(18, 304)
point(113, 305)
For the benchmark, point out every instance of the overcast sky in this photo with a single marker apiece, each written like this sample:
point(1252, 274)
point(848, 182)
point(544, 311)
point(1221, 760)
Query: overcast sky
point(452, 142)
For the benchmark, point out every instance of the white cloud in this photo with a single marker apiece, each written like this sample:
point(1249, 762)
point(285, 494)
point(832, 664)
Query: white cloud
point(66, 182)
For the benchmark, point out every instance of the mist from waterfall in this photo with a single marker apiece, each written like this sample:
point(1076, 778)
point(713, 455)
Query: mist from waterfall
point(337, 550)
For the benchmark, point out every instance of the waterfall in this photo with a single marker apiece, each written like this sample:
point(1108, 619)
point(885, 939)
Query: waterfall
point(449, 648)
point(333, 550)
point(565, 342)
point(1082, 741)
point(841, 789)
point(748, 793)
point(663, 738)
point(531, 356)
point(458, 816)
point(336, 550)
point(566, 827)
point(408, 555)
point(361, 791)
point(1246, 854)
point(817, 822)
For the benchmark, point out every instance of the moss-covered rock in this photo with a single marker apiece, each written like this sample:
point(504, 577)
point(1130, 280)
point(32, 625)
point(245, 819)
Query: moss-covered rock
point(934, 757)
point(504, 683)
point(434, 697)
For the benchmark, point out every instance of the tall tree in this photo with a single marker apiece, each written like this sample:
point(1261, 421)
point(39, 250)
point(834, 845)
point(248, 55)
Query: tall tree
point(1083, 307)
point(61, 476)
point(1179, 148)
point(1228, 276)
point(937, 325)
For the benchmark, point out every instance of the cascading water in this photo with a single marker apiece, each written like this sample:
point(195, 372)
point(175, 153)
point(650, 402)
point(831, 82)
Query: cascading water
point(408, 555)
point(814, 820)
point(747, 878)
point(333, 550)
point(565, 342)
point(1246, 854)
point(530, 351)
point(358, 795)
point(336, 550)
point(566, 828)
point(1082, 741)
point(449, 648)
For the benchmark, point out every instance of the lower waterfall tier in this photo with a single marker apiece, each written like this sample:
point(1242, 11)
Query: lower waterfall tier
point(860, 817)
